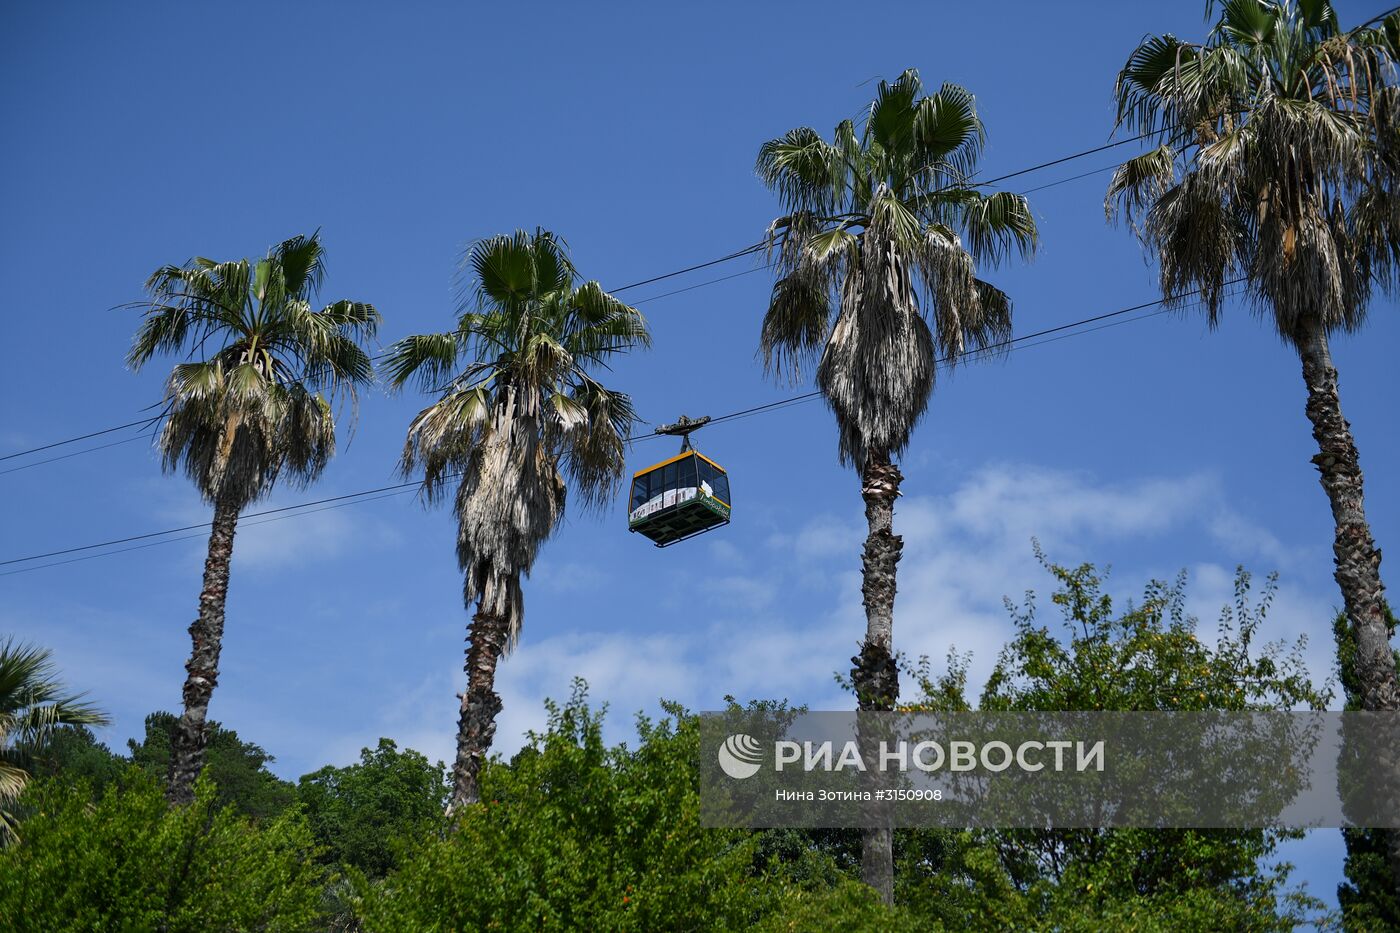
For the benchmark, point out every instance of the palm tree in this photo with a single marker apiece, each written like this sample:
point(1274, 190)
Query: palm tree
point(877, 254)
point(1275, 167)
point(257, 408)
point(519, 418)
point(33, 703)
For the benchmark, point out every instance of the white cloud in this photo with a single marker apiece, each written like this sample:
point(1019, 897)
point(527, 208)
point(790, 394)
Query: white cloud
point(823, 536)
point(776, 622)
point(288, 539)
point(569, 577)
point(313, 536)
point(967, 550)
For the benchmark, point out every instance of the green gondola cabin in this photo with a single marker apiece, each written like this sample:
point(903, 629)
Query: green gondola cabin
point(679, 498)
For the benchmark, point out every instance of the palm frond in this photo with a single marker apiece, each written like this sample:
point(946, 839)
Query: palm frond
point(1274, 133)
point(443, 436)
point(803, 169)
point(264, 363)
point(300, 265)
point(430, 359)
point(503, 270)
point(593, 447)
point(796, 324)
point(1139, 182)
point(872, 273)
point(598, 325)
point(997, 224)
point(948, 134)
point(33, 703)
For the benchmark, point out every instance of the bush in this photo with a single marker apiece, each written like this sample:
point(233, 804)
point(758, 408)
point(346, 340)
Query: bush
point(572, 834)
point(130, 862)
point(848, 907)
point(237, 768)
point(361, 813)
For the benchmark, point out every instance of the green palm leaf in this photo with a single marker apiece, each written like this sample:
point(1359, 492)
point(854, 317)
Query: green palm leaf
point(33, 703)
point(882, 226)
point(259, 405)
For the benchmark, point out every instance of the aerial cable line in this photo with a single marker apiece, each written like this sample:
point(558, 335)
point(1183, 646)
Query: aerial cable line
point(746, 251)
point(1060, 161)
point(242, 524)
point(80, 437)
point(76, 453)
point(1065, 181)
point(944, 361)
point(170, 531)
point(348, 498)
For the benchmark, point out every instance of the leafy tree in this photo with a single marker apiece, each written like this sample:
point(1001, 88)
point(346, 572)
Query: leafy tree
point(237, 769)
point(1278, 157)
point(361, 813)
point(34, 707)
point(846, 906)
point(1147, 656)
point(574, 834)
point(131, 862)
point(75, 755)
point(877, 252)
point(974, 891)
point(1276, 167)
point(1367, 896)
point(520, 417)
point(245, 416)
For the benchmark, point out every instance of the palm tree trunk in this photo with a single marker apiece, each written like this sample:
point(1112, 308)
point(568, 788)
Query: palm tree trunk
point(875, 676)
point(202, 669)
point(476, 726)
point(1357, 559)
point(1358, 562)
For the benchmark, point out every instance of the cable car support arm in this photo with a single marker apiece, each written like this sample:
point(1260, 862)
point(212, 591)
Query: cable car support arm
point(683, 427)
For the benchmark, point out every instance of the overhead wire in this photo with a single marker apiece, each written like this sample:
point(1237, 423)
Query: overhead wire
point(1014, 343)
point(242, 523)
point(737, 254)
point(969, 357)
point(76, 453)
point(399, 488)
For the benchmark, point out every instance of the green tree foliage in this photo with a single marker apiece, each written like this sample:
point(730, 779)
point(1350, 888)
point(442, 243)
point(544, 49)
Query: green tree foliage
point(574, 834)
point(34, 705)
point(1146, 656)
point(1367, 897)
point(238, 769)
point(520, 421)
point(76, 755)
point(876, 254)
point(258, 408)
point(131, 862)
point(847, 906)
point(360, 813)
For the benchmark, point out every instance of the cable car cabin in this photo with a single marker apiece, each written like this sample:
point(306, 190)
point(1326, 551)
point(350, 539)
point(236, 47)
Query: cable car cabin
point(679, 498)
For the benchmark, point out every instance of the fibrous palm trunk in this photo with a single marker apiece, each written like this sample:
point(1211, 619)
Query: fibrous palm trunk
point(875, 676)
point(1358, 562)
point(202, 669)
point(476, 726)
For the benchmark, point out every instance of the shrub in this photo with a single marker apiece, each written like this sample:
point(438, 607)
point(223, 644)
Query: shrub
point(572, 834)
point(130, 862)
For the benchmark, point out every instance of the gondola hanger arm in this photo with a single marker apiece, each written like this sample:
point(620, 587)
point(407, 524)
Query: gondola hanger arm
point(682, 428)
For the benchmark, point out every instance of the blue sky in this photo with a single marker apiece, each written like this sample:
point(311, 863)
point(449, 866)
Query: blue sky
point(144, 134)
